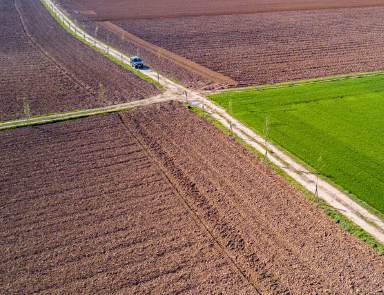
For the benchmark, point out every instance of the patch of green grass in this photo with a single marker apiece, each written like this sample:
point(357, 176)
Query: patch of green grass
point(301, 82)
point(142, 76)
point(341, 120)
point(78, 114)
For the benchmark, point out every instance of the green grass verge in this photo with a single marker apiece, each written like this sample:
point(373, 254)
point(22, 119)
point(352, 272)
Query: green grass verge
point(85, 113)
point(335, 215)
point(137, 73)
point(340, 120)
point(300, 82)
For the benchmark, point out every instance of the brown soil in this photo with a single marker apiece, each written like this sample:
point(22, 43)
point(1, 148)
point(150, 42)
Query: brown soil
point(55, 72)
point(153, 57)
point(156, 200)
point(250, 49)
point(98, 10)
point(283, 243)
point(85, 210)
point(273, 47)
point(169, 56)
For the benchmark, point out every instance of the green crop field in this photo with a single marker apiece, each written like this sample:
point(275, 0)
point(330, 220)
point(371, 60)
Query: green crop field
point(343, 121)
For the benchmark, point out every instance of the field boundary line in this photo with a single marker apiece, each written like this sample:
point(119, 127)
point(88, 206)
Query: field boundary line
point(50, 118)
point(187, 207)
point(299, 82)
point(44, 52)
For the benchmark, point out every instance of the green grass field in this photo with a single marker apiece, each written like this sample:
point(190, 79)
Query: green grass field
point(343, 121)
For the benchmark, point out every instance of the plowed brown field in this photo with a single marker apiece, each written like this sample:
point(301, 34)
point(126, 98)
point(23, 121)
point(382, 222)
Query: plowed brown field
point(84, 210)
point(256, 48)
point(158, 201)
point(98, 10)
point(54, 71)
point(273, 47)
point(283, 243)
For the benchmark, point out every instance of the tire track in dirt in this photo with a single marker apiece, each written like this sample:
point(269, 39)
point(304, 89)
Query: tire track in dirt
point(83, 221)
point(236, 239)
point(49, 57)
point(228, 237)
point(288, 237)
point(180, 182)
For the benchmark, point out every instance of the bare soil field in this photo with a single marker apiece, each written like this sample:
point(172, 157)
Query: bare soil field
point(98, 10)
point(152, 58)
point(283, 243)
point(250, 49)
point(55, 72)
point(157, 200)
point(85, 210)
point(273, 47)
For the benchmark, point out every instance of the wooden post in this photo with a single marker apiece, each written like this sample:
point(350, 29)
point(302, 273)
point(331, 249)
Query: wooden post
point(266, 132)
point(317, 191)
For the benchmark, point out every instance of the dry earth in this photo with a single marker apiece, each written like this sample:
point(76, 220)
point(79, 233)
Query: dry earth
point(158, 201)
point(282, 242)
point(98, 10)
point(85, 210)
point(54, 71)
point(273, 47)
point(251, 48)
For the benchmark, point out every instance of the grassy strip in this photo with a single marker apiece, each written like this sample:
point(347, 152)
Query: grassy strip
point(300, 82)
point(137, 73)
point(335, 215)
point(88, 113)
